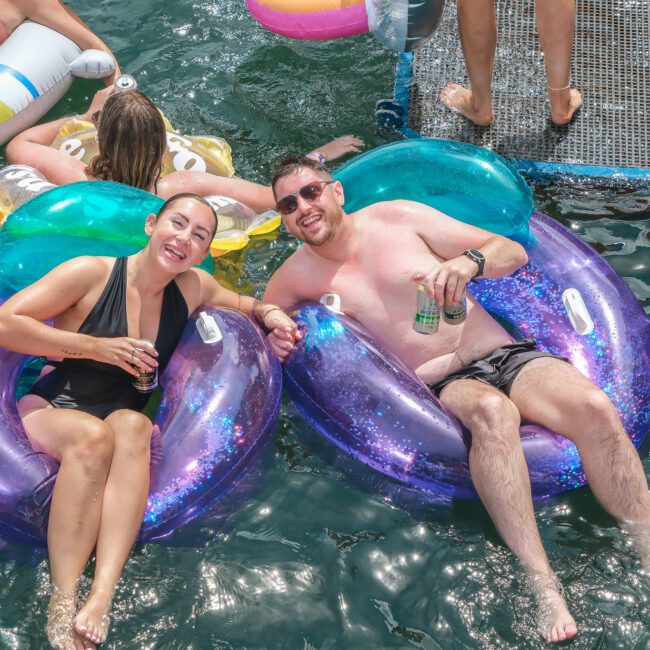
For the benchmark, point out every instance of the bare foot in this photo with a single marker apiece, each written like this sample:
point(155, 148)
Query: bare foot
point(564, 103)
point(60, 623)
point(93, 618)
point(553, 618)
point(459, 99)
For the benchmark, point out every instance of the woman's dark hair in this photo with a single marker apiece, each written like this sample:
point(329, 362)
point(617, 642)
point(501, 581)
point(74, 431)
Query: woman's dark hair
point(189, 195)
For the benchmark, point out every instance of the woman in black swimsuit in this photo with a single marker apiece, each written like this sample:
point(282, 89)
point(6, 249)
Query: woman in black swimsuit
point(86, 412)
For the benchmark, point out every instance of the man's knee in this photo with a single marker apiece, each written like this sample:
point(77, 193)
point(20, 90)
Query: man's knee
point(595, 412)
point(495, 419)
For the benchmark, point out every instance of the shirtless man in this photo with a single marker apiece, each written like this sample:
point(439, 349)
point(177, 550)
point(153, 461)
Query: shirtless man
point(55, 15)
point(375, 259)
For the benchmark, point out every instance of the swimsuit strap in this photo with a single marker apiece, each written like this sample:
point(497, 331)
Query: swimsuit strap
point(108, 316)
point(173, 318)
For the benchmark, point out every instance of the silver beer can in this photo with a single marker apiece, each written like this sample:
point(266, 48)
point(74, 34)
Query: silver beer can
point(146, 381)
point(427, 313)
point(456, 312)
point(125, 82)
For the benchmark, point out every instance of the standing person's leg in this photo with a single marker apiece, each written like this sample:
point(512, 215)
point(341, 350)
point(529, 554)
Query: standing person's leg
point(478, 35)
point(124, 503)
point(84, 446)
point(556, 26)
point(554, 394)
point(500, 476)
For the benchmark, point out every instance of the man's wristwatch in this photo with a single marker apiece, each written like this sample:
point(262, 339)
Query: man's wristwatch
point(478, 257)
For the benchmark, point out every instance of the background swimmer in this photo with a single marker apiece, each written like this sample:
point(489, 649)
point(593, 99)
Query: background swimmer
point(55, 15)
point(132, 140)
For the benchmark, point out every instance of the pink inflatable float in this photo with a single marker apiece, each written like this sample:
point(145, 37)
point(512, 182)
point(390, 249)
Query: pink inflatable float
point(400, 25)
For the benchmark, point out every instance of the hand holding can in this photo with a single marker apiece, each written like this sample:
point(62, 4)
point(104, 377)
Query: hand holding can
point(427, 312)
point(455, 313)
point(147, 380)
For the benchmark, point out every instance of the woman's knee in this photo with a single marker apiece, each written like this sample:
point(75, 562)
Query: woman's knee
point(132, 431)
point(94, 444)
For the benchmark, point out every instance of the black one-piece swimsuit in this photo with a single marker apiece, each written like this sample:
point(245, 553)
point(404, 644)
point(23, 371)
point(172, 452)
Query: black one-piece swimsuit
point(101, 388)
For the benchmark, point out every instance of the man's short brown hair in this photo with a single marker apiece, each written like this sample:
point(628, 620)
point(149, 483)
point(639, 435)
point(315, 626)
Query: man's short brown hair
point(293, 164)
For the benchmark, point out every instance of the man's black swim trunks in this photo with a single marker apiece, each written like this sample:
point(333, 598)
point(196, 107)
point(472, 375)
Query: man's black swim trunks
point(499, 368)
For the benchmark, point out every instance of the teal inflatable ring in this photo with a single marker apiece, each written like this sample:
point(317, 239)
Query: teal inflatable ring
point(87, 218)
point(468, 183)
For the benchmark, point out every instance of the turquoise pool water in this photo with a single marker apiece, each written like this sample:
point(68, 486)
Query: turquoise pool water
point(318, 552)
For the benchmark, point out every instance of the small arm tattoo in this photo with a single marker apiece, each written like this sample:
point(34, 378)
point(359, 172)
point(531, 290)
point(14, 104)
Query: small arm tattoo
point(70, 353)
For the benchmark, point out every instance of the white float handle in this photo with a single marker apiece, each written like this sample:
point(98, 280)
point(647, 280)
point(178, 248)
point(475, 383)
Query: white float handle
point(92, 64)
point(208, 328)
point(332, 301)
point(577, 311)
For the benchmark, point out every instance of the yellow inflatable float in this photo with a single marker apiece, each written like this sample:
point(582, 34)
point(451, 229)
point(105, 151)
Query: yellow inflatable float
point(78, 138)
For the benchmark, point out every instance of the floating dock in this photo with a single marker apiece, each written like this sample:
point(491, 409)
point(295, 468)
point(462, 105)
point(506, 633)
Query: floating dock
point(609, 136)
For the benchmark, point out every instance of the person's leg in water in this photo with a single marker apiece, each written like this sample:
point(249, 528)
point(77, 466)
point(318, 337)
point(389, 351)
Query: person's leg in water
point(124, 503)
point(554, 394)
point(83, 444)
point(478, 36)
point(500, 476)
point(556, 27)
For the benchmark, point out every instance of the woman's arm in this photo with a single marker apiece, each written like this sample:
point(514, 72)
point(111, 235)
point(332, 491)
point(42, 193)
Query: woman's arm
point(32, 147)
point(55, 15)
point(337, 148)
point(22, 327)
point(283, 331)
point(258, 197)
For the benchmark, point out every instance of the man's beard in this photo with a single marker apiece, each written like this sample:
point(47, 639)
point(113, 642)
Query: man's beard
point(327, 232)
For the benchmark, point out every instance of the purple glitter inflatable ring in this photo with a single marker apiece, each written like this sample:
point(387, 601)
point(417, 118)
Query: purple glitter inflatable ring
point(220, 403)
point(369, 404)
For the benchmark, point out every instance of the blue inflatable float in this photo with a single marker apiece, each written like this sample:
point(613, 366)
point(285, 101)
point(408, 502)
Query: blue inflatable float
point(87, 218)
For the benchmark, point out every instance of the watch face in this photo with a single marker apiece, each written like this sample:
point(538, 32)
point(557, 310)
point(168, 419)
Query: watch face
point(478, 257)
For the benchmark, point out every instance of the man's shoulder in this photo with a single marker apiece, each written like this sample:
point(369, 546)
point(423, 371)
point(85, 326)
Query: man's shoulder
point(388, 209)
point(298, 259)
point(390, 215)
point(295, 269)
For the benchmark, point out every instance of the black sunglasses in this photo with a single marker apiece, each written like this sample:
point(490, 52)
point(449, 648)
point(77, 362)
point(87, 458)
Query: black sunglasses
point(310, 192)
